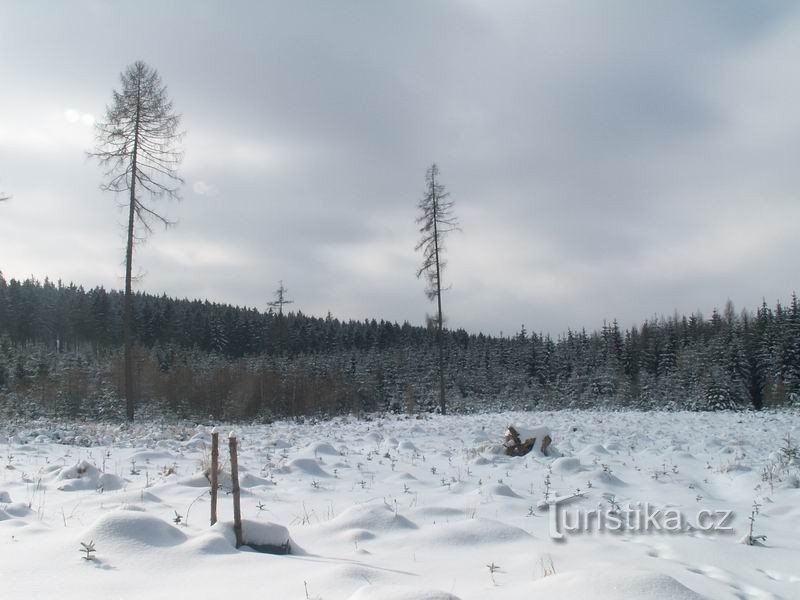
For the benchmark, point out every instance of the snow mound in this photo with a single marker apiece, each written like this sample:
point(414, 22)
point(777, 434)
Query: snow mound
point(407, 446)
point(251, 481)
point(307, 466)
point(499, 489)
point(401, 477)
point(109, 482)
point(606, 477)
point(472, 532)
point(611, 585)
point(199, 480)
point(369, 517)
point(356, 535)
point(17, 509)
point(399, 592)
point(438, 512)
point(5, 497)
point(595, 450)
point(80, 470)
point(143, 456)
point(346, 578)
point(132, 526)
point(85, 476)
point(196, 444)
point(202, 436)
point(139, 497)
point(212, 542)
point(567, 466)
point(318, 448)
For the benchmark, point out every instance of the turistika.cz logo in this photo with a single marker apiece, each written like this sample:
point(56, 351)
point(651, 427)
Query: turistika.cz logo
point(635, 518)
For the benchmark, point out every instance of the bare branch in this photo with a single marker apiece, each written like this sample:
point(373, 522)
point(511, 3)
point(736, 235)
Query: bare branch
point(140, 133)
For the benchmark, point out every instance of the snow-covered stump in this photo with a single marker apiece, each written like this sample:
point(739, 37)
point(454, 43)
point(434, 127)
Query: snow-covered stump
point(267, 538)
point(520, 441)
point(264, 537)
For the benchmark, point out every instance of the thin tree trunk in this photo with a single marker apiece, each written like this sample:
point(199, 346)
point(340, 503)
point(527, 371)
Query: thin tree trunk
point(237, 511)
point(214, 475)
point(127, 322)
point(439, 341)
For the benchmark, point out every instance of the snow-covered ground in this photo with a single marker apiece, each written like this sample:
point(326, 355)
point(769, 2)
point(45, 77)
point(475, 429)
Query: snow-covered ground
point(399, 508)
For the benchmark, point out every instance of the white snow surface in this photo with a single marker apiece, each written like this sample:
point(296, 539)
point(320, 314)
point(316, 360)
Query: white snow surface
point(398, 508)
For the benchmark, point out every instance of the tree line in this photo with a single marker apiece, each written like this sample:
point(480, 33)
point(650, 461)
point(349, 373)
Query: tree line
point(62, 353)
point(66, 350)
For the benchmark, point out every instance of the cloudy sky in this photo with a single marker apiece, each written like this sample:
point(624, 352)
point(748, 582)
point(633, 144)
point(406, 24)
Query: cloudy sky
point(607, 159)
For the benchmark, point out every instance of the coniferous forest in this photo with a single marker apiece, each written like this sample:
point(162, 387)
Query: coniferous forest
point(61, 355)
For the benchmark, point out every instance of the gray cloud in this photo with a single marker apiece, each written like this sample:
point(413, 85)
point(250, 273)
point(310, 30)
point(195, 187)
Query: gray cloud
point(608, 159)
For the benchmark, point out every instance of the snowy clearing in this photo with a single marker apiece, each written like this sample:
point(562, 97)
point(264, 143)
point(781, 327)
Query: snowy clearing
point(400, 508)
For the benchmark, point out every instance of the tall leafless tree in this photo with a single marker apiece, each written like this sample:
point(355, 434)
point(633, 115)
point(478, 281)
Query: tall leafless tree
point(138, 146)
point(279, 302)
point(280, 299)
point(436, 220)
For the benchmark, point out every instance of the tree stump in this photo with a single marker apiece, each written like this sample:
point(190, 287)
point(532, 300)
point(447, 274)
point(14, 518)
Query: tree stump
point(520, 444)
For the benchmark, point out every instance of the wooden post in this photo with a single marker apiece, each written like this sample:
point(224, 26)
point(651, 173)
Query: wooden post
point(237, 512)
point(214, 474)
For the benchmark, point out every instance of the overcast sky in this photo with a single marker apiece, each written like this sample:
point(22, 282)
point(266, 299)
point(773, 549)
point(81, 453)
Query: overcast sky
point(607, 159)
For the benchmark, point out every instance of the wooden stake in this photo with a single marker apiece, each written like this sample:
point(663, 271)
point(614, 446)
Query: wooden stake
point(214, 474)
point(237, 512)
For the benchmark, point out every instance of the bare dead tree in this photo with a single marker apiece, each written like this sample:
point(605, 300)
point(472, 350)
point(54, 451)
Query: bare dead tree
point(137, 145)
point(279, 302)
point(436, 220)
point(280, 299)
